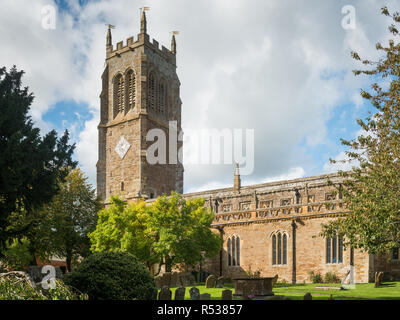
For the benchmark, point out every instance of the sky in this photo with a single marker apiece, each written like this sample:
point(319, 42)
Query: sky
point(279, 67)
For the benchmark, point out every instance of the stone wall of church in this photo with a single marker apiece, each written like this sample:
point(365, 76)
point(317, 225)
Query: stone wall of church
point(257, 213)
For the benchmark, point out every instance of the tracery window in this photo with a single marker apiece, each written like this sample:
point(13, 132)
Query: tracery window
point(279, 248)
point(152, 91)
point(233, 247)
point(118, 94)
point(162, 97)
point(334, 250)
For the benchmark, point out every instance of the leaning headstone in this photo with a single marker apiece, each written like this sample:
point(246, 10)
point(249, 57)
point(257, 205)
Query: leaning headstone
point(205, 296)
point(194, 294)
point(210, 281)
point(226, 295)
point(165, 293)
point(220, 282)
point(180, 293)
point(307, 296)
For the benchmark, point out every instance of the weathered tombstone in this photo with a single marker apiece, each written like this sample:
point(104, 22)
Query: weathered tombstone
point(194, 294)
point(205, 296)
point(180, 293)
point(307, 296)
point(226, 295)
point(210, 281)
point(187, 279)
point(245, 292)
point(165, 293)
point(220, 282)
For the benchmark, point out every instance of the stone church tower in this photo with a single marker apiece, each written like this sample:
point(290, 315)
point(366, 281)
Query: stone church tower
point(140, 92)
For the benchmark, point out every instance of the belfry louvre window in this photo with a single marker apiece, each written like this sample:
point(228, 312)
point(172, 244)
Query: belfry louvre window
point(130, 92)
point(162, 97)
point(233, 247)
point(279, 249)
point(152, 91)
point(334, 250)
point(118, 95)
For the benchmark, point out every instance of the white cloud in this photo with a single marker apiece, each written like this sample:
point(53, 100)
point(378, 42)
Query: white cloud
point(280, 67)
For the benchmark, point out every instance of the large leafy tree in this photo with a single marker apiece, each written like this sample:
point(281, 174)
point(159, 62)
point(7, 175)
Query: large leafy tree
point(371, 189)
point(69, 218)
point(30, 165)
point(170, 232)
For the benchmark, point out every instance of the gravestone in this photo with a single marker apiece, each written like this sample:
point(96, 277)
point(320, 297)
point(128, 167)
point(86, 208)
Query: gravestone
point(165, 293)
point(307, 296)
point(205, 296)
point(245, 292)
point(187, 279)
point(226, 295)
point(210, 281)
point(180, 293)
point(220, 282)
point(194, 294)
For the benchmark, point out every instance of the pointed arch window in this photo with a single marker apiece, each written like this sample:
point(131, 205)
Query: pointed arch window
point(118, 95)
point(162, 97)
point(152, 91)
point(130, 90)
point(279, 249)
point(334, 250)
point(229, 253)
point(233, 246)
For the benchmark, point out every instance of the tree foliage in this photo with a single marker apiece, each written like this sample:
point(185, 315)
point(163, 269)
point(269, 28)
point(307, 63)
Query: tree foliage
point(169, 232)
point(371, 190)
point(70, 217)
point(30, 164)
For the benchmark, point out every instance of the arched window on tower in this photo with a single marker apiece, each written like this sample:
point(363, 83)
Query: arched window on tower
point(162, 97)
point(152, 91)
point(118, 94)
point(130, 91)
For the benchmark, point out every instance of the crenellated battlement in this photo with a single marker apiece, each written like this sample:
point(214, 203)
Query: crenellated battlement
point(131, 44)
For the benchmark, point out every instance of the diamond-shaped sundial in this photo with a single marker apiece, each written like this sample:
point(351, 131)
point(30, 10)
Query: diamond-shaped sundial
point(122, 147)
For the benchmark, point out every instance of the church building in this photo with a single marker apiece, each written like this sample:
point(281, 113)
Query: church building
point(270, 228)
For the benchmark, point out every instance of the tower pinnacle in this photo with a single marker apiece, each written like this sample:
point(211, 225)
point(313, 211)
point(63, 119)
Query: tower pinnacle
point(109, 38)
point(173, 44)
point(236, 179)
point(143, 22)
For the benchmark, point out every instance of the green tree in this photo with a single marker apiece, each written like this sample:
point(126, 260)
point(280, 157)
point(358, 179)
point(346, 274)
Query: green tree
point(70, 217)
point(31, 165)
point(371, 189)
point(170, 232)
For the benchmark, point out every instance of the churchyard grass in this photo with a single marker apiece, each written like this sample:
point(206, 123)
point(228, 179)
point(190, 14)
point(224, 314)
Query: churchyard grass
point(387, 291)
